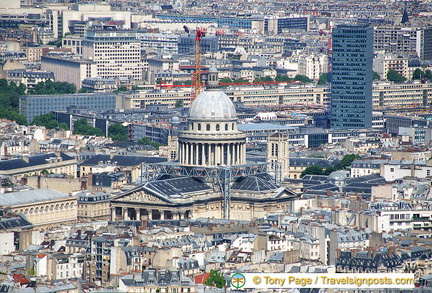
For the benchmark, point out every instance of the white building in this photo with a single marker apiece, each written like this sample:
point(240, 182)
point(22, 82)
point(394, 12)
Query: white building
point(385, 62)
point(312, 66)
point(116, 53)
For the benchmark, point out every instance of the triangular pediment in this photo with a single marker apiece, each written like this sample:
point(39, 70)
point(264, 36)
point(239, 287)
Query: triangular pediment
point(140, 195)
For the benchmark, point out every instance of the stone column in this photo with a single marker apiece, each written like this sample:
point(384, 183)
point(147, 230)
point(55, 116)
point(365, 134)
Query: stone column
point(150, 215)
point(181, 215)
point(138, 214)
point(124, 213)
point(162, 215)
point(203, 154)
point(113, 214)
point(196, 153)
point(217, 157)
point(228, 154)
point(186, 157)
point(238, 153)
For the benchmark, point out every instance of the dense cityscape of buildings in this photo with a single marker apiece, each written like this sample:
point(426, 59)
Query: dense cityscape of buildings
point(306, 150)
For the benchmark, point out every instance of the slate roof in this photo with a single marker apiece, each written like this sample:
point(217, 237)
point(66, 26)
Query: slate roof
point(33, 161)
point(30, 196)
point(176, 186)
point(14, 222)
point(123, 160)
point(306, 162)
point(253, 183)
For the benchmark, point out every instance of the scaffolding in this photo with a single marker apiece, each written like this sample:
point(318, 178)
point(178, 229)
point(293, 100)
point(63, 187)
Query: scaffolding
point(219, 177)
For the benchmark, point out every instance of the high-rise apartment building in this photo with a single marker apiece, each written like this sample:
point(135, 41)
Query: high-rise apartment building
point(351, 94)
point(405, 41)
point(116, 53)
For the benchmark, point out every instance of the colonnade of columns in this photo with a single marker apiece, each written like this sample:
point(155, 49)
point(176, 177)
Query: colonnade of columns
point(148, 214)
point(212, 154)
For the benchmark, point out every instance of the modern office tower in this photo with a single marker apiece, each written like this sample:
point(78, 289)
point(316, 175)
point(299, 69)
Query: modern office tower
point(116, 53)
point(351, 94)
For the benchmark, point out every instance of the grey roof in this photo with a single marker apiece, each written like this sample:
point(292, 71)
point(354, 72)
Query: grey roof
point(253, 183)
point(263, 126)
point(123, 160)
point(33, 161)
point(30, 196)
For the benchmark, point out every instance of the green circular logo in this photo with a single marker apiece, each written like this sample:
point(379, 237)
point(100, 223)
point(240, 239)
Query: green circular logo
point(238, 280)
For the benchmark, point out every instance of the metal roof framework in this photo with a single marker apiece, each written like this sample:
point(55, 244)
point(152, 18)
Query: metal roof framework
point(219, 177)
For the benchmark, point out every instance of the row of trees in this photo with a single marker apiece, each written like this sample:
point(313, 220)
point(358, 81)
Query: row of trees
point(420, 74)
point(342, 164)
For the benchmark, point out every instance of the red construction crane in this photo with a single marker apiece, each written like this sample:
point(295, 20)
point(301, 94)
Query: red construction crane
point(200, 33)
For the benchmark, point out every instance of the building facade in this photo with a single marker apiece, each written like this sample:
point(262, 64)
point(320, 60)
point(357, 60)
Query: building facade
point(116, 53)
point(34, 105)
point(351, 102)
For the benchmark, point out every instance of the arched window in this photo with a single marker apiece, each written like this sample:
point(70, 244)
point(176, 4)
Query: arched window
point(217, 127)
point(226, 127)
point(199, 126)
point(232, 126)
point(208, 127)
point(192, 126)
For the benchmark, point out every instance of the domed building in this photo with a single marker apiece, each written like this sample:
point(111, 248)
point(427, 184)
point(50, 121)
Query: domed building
point(211, 177)
point(212, 138)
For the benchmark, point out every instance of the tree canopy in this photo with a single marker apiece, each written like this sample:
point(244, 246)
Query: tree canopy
point(342, 164)
point(148, 141)
point(375, 76)
point(216, 279)
point(323, 79)
point(393, 75)
point(9, 101)
point(117, 132)
point(48, 120)
point(302, 78)
point(81, 127)
point(50, 87)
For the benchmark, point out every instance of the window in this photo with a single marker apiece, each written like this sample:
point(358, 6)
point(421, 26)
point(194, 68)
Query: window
point(199, 126)
point(208, 127)
point(217, 127)
point(226, 127)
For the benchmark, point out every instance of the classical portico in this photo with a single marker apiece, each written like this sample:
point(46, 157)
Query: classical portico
point(212, 137)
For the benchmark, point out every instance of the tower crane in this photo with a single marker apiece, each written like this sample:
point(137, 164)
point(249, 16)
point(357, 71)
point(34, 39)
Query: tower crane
point(199, 34)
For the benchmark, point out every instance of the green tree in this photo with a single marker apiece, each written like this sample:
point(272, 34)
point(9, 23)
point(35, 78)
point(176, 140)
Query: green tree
point(302, 78)
point(375, 76)
point(322, 79)
point(267, 78)
point(48, 120)
point(312, 170)
point(346, 161)
point(9, 101)
point(81, 127)
point(179, 104)
point(84, 90)
point(418, 74)
point(226, 79)
point(50, 87)
point(177, 82)
point(282, 78)
point(428, 74)
point(393, 75)
point(117, 132)
point(240, 80)
point(148, 141)
point(216, 279)
point(188, 82)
